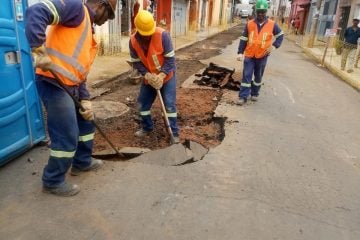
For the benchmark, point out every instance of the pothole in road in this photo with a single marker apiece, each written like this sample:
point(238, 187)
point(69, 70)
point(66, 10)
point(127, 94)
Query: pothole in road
point(195, 106)
point(195, 118)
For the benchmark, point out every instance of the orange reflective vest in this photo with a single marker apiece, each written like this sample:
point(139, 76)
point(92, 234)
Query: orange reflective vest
point(71, 50)
point(155, 55)
point(258, 42)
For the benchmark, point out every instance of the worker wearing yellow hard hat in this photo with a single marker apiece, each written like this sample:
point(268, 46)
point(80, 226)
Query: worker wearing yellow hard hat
point(152, 54)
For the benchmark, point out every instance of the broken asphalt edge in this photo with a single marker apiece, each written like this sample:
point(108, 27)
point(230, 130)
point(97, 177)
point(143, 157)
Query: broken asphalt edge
point(177, 154)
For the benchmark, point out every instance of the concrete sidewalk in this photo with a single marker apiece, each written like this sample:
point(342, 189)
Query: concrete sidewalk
point(332, 61)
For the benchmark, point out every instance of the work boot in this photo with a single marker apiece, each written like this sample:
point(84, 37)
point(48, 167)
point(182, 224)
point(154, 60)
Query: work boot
point(254, 98)
point(65, 190)
point(241, 101)
point(142, 133)
point(94, 165)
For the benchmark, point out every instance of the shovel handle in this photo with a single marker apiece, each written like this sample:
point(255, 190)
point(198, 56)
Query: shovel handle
point(167, 123)
point(78, 104)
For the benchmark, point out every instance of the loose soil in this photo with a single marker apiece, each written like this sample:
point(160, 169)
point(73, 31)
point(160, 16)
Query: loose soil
point(195, 107)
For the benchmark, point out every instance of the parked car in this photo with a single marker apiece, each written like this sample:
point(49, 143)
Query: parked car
point(244, 13)
point(243, 10)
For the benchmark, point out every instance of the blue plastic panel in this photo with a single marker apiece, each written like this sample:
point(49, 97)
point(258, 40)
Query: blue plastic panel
point(21, 120)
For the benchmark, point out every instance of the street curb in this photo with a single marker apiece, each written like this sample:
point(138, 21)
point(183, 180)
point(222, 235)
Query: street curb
point(100, 83)
point(342, 75)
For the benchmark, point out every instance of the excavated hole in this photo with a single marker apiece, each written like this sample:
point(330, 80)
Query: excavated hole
point(195, 118)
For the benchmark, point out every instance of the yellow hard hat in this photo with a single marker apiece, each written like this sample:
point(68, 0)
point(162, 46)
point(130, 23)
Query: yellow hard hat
point(145, 23)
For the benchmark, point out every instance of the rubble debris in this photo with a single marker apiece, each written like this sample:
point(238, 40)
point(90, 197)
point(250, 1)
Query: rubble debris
point(218, 77)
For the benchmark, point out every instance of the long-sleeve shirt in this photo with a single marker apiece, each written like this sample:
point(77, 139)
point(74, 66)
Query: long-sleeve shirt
point(68, 13)
point(277, 32)
point(169, 62)
point(352, 35)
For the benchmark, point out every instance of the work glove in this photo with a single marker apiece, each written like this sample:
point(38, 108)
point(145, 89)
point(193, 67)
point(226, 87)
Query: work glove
point(149, 76)
point(41, 58)
point(155, 80)
point(162, 76)
point(269, 50)
point(87, 113)
point(240, 57)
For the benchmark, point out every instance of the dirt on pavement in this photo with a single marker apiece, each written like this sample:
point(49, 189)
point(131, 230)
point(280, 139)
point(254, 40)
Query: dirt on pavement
point(195, 107)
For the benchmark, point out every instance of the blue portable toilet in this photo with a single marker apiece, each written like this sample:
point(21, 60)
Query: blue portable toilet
point(21, 119)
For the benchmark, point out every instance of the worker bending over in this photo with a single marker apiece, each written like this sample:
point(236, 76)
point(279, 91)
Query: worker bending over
point(69, 50)
point(152, 54)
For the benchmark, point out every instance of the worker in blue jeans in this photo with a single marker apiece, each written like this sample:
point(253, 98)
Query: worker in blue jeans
point(256, 43)
point(61, 116)
point(146, 98)
point(152, 54)
point(60, 34)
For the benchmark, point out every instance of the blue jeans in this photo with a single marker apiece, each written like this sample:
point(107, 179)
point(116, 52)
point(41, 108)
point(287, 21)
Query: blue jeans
point(71, 136)
point(146, 99)
point(256, 67)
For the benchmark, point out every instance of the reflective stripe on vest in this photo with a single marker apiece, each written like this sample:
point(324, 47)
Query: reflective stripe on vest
point(72, 51)
point(259, 41)
point(155, 56)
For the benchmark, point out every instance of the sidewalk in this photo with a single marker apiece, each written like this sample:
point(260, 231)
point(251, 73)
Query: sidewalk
point(332, 61)
point(106, 68)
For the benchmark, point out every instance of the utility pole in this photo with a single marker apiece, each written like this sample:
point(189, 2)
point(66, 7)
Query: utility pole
point(314, 24)
point(278, 11)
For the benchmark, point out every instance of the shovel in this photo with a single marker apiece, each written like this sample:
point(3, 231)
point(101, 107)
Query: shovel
point(78, 104)
point(166, 120)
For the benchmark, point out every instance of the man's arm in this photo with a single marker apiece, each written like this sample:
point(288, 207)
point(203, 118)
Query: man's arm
point(169, 54)
point(279, 36)
point(69, 13)
point(243, 41)
point(83, 92)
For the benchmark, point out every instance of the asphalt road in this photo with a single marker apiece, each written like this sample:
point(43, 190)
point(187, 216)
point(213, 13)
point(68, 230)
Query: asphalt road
point(288, 168)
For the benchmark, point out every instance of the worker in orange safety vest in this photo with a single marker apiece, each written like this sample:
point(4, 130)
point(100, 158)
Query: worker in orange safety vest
point(152, 54)
point(69, 49)
point(257, 42)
